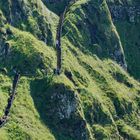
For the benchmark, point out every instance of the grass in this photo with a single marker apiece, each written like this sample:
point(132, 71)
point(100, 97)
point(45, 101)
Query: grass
point(96, 86)
point(28, 54)
point(100, 36)
point(31, 16)
point(99, 101)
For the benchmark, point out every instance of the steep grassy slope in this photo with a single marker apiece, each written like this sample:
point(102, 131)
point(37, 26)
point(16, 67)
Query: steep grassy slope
point(97, 98)
point(94, 33)
point(122, 12)
point(93, 98)
point(31, 16)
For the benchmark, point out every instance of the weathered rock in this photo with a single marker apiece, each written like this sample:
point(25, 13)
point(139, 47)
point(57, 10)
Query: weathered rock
point(125, 12)
point(67, 110)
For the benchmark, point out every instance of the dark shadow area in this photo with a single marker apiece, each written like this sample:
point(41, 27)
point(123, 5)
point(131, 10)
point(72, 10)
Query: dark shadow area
point(39, 95)
point(56, 6)
point(52, 100)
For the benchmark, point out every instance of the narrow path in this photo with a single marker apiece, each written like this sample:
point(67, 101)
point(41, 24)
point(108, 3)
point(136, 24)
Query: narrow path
point(11, 98)
point(58, 37)
point(58, 42)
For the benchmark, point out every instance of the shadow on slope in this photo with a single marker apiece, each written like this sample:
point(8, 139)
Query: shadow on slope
point(58, 107)
point(56, 7)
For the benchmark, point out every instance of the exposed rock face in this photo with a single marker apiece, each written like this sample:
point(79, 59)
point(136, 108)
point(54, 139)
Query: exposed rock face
point(119, 56)
point(125, 12)
point(66, 105)
point(67, 112)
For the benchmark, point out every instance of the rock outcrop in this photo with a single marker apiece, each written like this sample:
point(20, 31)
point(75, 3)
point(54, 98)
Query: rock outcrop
point(125, 13)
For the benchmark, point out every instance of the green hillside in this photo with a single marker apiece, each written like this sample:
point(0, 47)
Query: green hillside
point(94, 97)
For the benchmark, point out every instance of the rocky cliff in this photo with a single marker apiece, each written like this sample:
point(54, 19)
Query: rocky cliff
point(94, 97)
point(126, 17)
